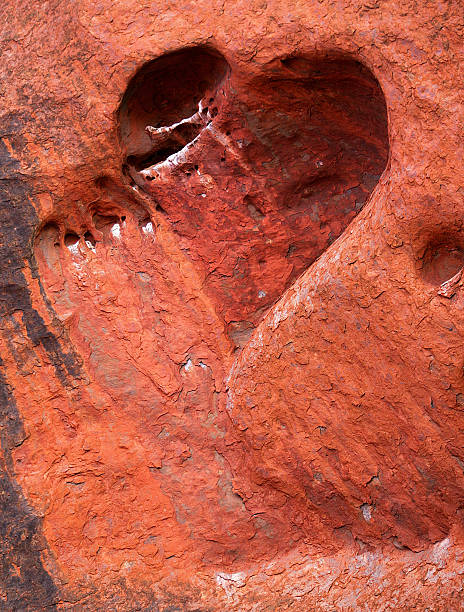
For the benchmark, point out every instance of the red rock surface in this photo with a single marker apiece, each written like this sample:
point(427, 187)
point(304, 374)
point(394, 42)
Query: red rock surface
point(231, 305)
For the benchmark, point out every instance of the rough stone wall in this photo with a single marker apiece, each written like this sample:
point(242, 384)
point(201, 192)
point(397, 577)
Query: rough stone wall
point(231, 371)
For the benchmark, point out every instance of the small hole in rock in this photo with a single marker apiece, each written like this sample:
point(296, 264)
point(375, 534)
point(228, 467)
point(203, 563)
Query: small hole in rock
point(441, 262)
point(89, 240)
point(71, 239)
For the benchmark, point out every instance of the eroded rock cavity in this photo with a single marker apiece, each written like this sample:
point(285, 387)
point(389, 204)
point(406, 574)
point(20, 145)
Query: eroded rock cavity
point(256, 173)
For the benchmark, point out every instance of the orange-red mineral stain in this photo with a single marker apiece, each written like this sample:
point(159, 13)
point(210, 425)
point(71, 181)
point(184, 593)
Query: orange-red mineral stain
point(231, 306)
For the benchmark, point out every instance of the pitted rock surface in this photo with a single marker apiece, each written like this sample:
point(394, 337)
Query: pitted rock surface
point(231, 303)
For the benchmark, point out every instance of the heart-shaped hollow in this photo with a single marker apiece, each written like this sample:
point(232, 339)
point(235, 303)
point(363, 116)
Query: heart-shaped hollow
point(261, 183)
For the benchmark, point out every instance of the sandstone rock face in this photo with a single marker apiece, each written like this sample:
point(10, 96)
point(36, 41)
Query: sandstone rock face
point(232, 316)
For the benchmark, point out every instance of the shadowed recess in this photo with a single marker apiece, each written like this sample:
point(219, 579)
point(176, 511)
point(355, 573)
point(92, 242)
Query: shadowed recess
point(257, 173)
point(164, 92)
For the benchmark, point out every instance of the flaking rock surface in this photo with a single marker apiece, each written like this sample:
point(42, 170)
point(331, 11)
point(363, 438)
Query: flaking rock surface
point(231, 305)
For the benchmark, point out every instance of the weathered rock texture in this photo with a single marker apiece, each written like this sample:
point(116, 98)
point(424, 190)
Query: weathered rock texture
point(232, 311)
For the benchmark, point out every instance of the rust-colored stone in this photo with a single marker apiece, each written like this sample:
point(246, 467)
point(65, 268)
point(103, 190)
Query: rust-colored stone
point(231, 305)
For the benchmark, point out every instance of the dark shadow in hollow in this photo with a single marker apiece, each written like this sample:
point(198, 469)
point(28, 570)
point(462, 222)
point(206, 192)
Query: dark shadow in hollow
point(294, 153)
point(164, 92)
